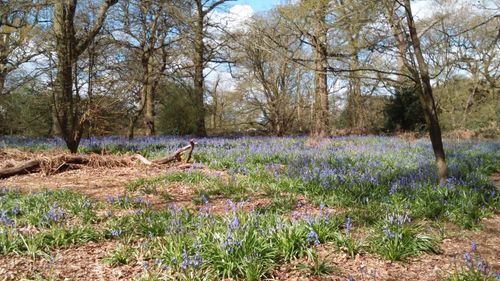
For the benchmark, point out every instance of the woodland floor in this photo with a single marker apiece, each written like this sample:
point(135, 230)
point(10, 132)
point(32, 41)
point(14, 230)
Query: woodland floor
point(84, 262)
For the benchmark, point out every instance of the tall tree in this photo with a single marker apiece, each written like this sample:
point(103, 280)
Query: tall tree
point(70, 44)
point(308, 20)
point(408, 43)
point(277, 78)
point(145, 36)
point(202, 55)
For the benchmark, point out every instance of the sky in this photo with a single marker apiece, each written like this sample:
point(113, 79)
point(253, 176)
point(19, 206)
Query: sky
point(258, 5)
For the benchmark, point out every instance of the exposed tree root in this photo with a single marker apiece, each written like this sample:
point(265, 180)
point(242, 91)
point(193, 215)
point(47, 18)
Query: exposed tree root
point(58, 164)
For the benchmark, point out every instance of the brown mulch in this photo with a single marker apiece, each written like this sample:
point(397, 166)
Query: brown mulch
point(74, 263)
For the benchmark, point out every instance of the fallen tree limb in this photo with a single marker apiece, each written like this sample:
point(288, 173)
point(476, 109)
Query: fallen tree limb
point(65, 162)
point(44, 164)
point(25, 168)
point(176, 157)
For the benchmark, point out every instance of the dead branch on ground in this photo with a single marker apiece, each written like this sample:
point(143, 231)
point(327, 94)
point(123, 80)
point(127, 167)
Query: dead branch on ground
point(58, 164)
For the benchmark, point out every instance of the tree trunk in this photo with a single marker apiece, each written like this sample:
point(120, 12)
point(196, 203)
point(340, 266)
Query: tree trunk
point(354, 109)
point(321, 98)
point(199, 79)
point(149, 111)
point(148, 97)
point(67, 107)
point(427, 99)
point(131, 127)
point(2, 82)
point(320, 72)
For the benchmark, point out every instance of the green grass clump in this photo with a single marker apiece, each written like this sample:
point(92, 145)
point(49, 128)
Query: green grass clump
point(396, 238)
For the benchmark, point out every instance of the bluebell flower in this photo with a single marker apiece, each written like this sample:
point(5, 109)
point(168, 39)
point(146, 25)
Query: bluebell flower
point(388, 232)
point(4, 218)
point(116, 232)
point(313, 238)
point(473, 246)
point(234, 224)
point(468, 259)
point(15, 210)
point(55, 214)
point(482, 266)
point(348, 225)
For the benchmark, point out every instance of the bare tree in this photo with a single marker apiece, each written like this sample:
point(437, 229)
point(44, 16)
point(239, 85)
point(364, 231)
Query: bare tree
point(144, 32)
point(18, 25)
point(277, 77)
point(408, 44)
point(199, 24)
point(70, 44)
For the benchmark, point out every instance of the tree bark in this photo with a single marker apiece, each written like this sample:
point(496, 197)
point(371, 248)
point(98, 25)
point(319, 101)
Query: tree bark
point(68, 48)
point(64, 105)
point(199, 78)
point(427, 99)
point(320, 72)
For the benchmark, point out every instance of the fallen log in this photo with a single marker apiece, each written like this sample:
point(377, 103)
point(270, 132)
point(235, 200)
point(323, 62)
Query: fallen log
point(25, 168)
point(44, 165)
point(175, 157)
point(64, 162)
point(177, 154)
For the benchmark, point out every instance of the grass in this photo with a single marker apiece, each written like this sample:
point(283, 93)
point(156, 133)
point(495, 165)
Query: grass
point(386, 190)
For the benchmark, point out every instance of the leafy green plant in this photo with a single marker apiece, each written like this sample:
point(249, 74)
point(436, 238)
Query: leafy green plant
point(120, 256)
point(316, 265)
point(397, 239)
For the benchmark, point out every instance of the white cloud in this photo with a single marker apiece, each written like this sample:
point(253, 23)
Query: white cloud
point(235, 18)
point(422, 9)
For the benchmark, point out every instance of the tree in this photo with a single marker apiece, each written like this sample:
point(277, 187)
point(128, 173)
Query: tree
point(408, 44)
point(145, 34)
point(18, 24)
point(70, 45)
point(202, 55)
point(404, 111)
point(276, 79)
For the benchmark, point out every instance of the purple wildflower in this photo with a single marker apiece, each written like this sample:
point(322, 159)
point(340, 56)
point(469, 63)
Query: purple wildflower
point(348, 225)
point(313, 238)
point(388, 232)
point(55, 214)
point(116, 232)
point(468, 259)
point(473, 246)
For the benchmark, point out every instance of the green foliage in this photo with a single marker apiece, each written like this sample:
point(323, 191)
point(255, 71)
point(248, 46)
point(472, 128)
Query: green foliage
point(404, 111)
point(399, 240)
point(177, 113)
point(316, 267)
point(26, 112)
point(468, 104)
point(120, 256)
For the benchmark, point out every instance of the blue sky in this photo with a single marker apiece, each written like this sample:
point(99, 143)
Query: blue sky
point(258, 5)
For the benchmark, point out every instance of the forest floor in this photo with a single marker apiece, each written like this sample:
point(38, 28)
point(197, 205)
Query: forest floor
point(85, 261)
